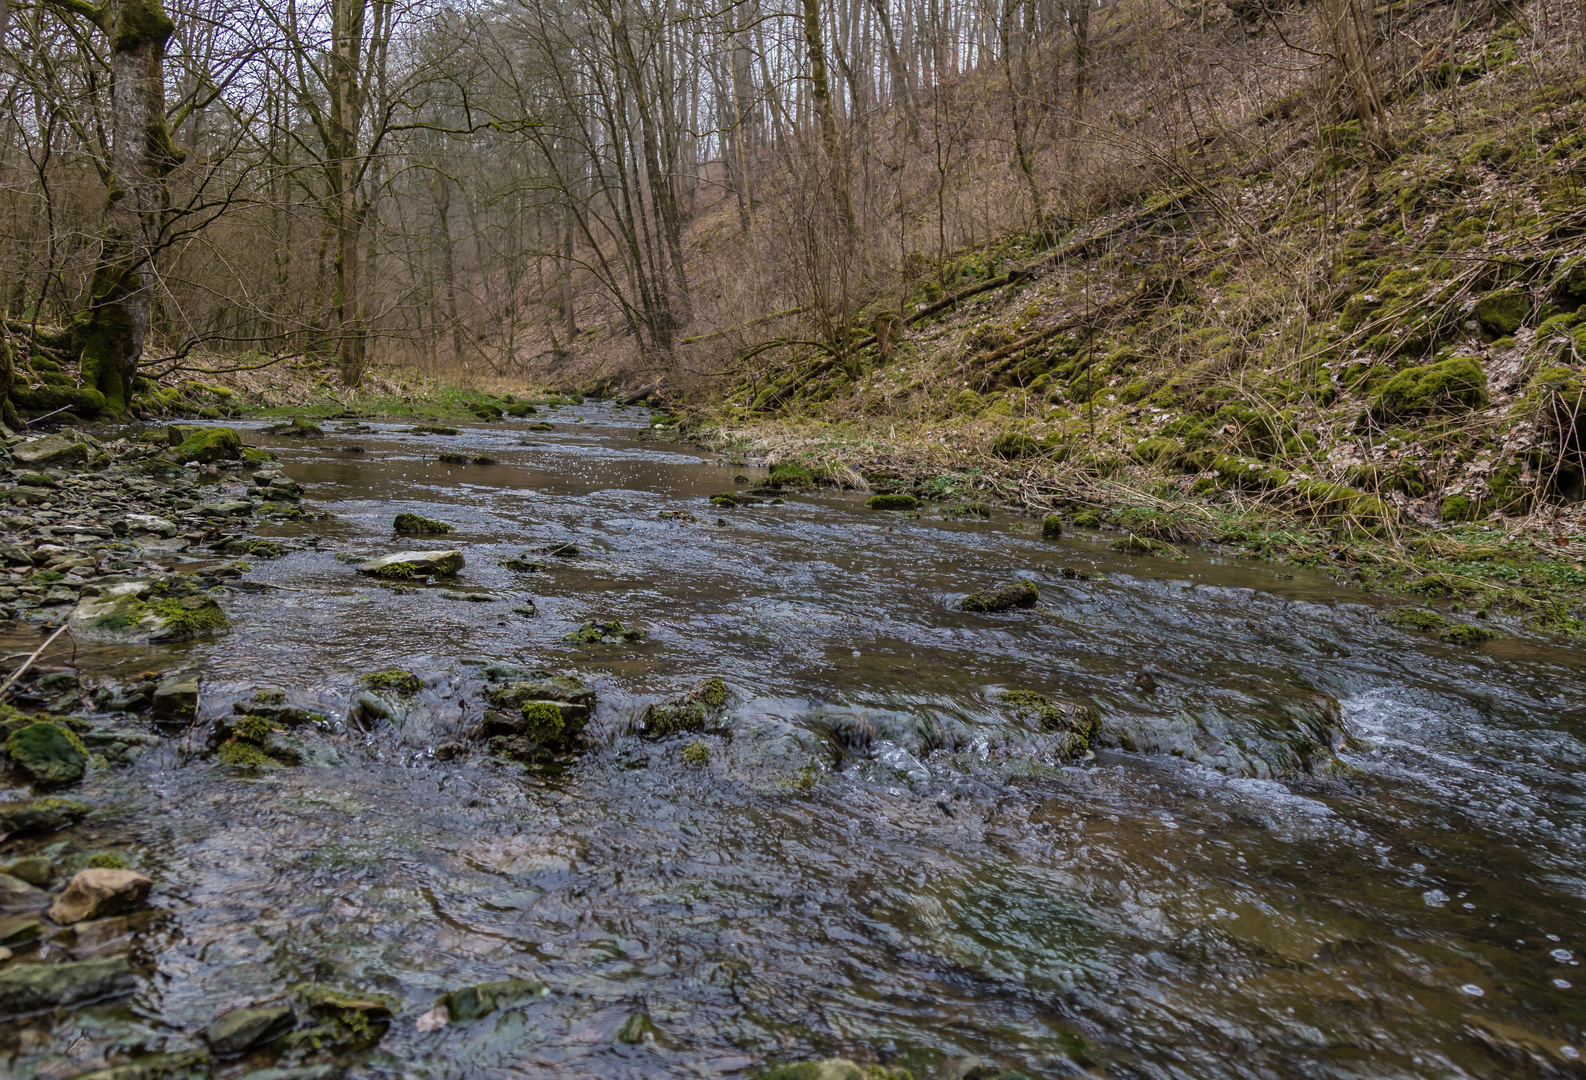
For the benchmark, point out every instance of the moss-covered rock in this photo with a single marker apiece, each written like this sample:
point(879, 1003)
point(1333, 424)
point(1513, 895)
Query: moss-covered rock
point(477, 1002)
point(346, 1022)
point(1503, 312)
point(136, 613)
point(299, 428)
point(1019, 594)
point(1428, 621)
point(1456, 508)
point(40, 815)
point(1451, 385)
point(395, 681)
point(893, 501)
point(684, 714)
point(416, 525)
point(613, 632)
point(1012, 445)
point(28, 988)
point(47, 398)
point(207, 445)
point(1074, 724)
point(411, 565)
point(1052, 526)
point(1236, 472)
point(48, 752)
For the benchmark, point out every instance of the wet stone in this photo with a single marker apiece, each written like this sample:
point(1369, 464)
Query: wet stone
point(1020, 594)
point(243, 1029)
point(48, 752)
point(100, 892)
point(27, 988)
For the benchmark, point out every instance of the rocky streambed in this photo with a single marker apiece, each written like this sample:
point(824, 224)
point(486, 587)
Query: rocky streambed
point(374, 751)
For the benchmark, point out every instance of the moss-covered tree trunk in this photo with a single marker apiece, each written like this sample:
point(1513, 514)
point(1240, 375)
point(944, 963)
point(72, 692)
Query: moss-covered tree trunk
point(109, 334)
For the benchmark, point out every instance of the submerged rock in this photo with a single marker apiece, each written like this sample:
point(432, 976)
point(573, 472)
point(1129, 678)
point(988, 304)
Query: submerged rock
point(1240, 727)
point(27, 988)
point(40, 815)
point(477, 1002)
point(1075, 724)
point(345, 1021)
point(48, 752)
point(243, 1029)
point(97, 892)
point(415, 525)
point(1428, 621)
point(1020, 594)
point(176, 1065)
point(832, 1069)
point(407, 565)
point(20, 897)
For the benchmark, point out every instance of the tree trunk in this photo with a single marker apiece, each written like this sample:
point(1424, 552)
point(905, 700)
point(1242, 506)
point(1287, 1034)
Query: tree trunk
point(108, 337)
point(820, 90)
point(346, 116)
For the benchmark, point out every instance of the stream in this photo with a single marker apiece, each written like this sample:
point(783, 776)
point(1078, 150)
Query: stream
point(1305, 844)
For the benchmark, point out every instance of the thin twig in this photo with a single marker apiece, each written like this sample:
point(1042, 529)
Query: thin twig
point(15, 675)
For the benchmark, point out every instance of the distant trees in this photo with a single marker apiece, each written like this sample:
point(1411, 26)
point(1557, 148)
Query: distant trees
point(499, 183)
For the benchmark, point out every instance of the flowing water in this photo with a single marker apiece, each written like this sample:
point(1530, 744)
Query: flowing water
point(876, 861)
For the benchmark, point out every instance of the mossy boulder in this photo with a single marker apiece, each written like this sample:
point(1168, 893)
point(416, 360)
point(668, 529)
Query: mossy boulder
point(135, 613)
point(685, 714)
point(46, 398)
point(299, 428)
point(62, 449)
point(1451, 385)
point(207, 445)
point(40, 815)
point(417, 525)
point(1501, 313)
point(1019, 594)
point(1457, 508)
point(1012, 445)
point(893, 501)
point(1236, 472)
point(1052, 526)
point(48, 752)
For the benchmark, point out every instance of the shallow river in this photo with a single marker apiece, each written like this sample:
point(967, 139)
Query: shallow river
point(875, 862)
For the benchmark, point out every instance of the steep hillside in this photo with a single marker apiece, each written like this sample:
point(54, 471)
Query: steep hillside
point(1317, 352)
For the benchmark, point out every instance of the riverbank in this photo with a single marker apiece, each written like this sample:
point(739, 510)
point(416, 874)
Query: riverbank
point(1531, 569)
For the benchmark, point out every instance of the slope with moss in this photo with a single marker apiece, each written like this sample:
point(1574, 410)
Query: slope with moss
point(1340, 343)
